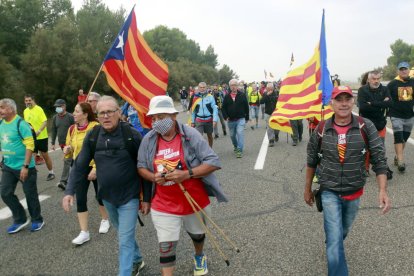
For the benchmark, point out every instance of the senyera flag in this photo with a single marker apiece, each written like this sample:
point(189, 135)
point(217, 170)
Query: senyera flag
point(133, 70)
point(303, 90)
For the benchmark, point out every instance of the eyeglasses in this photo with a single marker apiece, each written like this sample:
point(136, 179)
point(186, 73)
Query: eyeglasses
point(109, 113)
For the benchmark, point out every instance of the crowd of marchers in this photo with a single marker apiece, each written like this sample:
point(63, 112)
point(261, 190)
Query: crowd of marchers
point(168, 171)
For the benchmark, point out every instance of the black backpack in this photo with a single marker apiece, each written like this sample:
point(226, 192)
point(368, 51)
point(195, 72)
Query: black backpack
point(129, 142)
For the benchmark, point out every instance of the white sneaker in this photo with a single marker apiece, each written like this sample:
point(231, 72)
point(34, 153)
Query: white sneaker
point(81, 238)
point(104, 228)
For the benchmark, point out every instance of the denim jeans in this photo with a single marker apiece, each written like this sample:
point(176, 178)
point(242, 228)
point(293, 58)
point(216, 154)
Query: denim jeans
point(124, 219)
point(237, 133)
point(338, 216)
point(254, 112)
point(9, 181)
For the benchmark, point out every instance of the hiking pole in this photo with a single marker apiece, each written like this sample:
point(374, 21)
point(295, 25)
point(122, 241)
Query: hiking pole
point(213, 239)
point(214, 224)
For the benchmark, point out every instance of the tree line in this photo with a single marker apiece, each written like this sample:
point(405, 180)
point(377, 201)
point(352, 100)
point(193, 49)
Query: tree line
point(50, 51)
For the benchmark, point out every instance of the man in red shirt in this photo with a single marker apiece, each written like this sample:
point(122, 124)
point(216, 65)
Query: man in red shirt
point(340, 154)
point(173, 153)
point(81, 96)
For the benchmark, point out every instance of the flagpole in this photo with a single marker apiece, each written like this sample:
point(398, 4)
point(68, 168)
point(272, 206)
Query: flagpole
point(94, 81)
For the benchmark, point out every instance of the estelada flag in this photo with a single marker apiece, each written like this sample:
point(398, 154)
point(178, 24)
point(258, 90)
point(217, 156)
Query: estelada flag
point(134, 71)
point(305, 89)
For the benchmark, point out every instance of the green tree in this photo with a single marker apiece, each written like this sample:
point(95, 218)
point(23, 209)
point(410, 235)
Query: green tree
point(225, 74)
point(188, 64)
point(400, 51)
point(21, 18)
point(11, 82)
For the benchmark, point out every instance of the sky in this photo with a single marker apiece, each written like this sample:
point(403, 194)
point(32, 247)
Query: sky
point(253, 36)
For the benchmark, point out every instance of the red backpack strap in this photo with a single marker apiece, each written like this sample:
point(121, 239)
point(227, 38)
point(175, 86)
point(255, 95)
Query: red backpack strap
point(363, 130)
point(320, 129)
point(72, 129)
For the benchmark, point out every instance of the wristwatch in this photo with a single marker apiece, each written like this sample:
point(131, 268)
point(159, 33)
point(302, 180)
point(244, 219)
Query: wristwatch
point(25, 166)
point(190, 172)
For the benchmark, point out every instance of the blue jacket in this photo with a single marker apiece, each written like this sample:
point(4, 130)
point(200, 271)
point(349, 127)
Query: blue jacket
point(205, 109)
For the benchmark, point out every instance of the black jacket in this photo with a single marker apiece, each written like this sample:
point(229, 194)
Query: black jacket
point(269, 101)
point(372, 105)
point(402, 96)
point(350, 176)
point(116, 172)
point(239, 108)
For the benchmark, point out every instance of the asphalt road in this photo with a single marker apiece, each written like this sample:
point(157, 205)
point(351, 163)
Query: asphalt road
point(278, 234)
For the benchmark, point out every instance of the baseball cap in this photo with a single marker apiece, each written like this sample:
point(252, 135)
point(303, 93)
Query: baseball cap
point(161, 104)
point(341, 89)
point(403, 64)
point(60, 102)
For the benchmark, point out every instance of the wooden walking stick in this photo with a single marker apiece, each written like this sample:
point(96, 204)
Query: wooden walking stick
point(209, 234)
point(213, 223)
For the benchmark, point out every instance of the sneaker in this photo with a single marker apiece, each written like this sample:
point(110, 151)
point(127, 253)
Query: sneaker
point(36, 226)
point(50, 176)
point(294, 143)
point(216, 136)
point(61, 185)
point(39, 160)
point(252, 127)
point(235, 149)
point(276, 138)
point(239, 154)
point(401, 167)
point(395, 161)
point(200, 265)
point(137, 267)
point(81, 238)
point(271, 143)
point(16, 227)
point(104, 228)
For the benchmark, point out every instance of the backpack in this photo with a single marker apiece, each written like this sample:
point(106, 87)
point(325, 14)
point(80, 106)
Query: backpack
point(18, 129)
point(21, 136)
point(129, 142)
point(362, 129)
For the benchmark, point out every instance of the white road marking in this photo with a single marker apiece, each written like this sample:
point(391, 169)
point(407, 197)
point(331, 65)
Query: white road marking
point(262, 154)
point(6, 213)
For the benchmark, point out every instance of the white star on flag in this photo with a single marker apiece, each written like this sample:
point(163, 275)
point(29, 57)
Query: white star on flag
point(121, 42)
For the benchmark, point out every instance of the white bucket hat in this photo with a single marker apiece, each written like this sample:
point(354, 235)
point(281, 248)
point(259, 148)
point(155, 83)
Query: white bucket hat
point(161, 104)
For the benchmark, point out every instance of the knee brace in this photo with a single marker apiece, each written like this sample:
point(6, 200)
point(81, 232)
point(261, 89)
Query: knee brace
point(406, 135)
point(198, 238)
point(398, 137)
point(167, 253)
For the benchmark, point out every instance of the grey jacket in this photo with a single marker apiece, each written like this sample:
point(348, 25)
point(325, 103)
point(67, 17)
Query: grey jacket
point(196, 152)
point(351, 175)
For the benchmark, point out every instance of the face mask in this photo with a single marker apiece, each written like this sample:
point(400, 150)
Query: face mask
point(59, 109)
point(163, 126)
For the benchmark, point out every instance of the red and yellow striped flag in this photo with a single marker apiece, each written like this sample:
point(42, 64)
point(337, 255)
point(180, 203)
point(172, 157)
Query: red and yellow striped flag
point(302, 89)
point(134, 71)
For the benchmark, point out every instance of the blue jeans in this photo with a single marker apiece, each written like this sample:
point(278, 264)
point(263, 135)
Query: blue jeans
point(124, 219)
point(338, 216)
point(237, 133)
